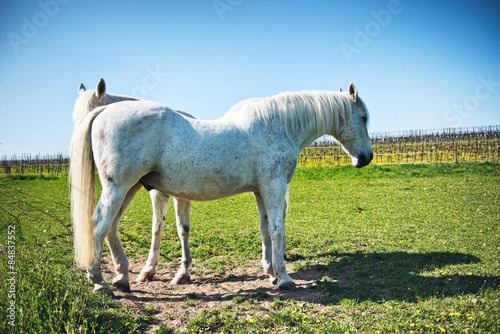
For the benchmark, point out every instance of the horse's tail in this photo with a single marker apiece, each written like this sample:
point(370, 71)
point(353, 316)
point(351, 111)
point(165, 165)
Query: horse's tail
point(83, 193)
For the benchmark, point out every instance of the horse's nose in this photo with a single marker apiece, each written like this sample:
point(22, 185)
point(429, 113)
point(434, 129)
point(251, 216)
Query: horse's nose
point(364, 159)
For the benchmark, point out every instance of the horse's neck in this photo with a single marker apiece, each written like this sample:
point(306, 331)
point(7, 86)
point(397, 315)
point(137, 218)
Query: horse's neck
point(118, 98)
point(303, 139)
point(308, 133)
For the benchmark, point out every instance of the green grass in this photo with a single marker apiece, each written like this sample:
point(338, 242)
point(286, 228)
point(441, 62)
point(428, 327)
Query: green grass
point(50, 295)
point(406, 248)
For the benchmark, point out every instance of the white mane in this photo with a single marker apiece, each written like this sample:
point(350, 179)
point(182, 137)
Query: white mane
point(88, 101)
point(322, 109)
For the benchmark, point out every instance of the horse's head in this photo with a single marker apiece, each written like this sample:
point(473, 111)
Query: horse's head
point(90, 99)
point(93, 98)
point(353, 134)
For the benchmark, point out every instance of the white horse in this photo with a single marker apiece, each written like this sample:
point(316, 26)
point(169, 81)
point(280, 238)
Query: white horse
point(90, 99)
point(252, 148)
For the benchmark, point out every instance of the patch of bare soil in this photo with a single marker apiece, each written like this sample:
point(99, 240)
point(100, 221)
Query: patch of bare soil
point(209, 291)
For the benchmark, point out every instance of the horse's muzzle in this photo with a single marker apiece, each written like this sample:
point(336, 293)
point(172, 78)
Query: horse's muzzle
point(363, 159)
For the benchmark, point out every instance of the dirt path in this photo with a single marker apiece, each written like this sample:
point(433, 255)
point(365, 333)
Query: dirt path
point(206, 290)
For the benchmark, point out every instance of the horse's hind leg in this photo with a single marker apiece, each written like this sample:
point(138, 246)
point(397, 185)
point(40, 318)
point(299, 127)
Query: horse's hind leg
point(160, 206)
point(182, 217)
point(121, 280)
point(105, 213)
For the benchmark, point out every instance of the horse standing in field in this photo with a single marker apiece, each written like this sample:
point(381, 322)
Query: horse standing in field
point(252, 148)
point(88, 100)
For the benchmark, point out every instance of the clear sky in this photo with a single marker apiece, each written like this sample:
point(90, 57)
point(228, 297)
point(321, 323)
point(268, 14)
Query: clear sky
point(417, 64)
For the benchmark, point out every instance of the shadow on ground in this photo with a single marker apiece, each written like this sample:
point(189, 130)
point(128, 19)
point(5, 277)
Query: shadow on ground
point(394, 276)
point(358, 277)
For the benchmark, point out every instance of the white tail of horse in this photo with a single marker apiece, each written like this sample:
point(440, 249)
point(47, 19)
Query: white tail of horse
point(83, 192)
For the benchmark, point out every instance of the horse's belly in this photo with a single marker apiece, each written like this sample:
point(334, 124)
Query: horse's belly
point(199, 187)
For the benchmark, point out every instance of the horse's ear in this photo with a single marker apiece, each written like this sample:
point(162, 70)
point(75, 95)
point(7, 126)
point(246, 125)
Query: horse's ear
point(353, 93)
point(81, 89)
point(101, 88)
point(340, 89)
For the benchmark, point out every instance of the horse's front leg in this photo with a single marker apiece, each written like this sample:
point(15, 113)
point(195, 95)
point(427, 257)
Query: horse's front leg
point(182, 218)
point(285, 212)
point(267, 254)
point(160, 206)
point(273, 196)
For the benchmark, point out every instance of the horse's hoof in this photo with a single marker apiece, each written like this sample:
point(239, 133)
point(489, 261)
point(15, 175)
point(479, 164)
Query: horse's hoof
point(180, 279)
point(287, 285)
point(123, 287)
point(145, 276)
point(273, 280)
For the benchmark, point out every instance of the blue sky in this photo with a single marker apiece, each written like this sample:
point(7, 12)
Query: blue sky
point(417, 64)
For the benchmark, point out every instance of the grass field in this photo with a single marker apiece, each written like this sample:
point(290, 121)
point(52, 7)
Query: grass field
point(399, 249)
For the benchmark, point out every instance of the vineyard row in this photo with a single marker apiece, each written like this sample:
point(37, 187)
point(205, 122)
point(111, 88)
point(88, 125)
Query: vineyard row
point(448, 145)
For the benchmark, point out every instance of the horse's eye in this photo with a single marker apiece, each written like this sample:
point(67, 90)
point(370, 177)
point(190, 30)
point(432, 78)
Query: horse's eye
point(365, 119)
